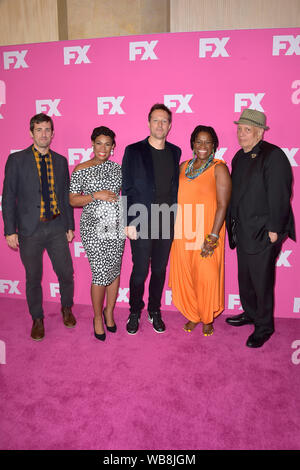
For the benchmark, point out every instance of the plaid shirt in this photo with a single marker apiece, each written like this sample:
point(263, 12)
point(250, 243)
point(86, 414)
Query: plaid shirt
point(53, 201)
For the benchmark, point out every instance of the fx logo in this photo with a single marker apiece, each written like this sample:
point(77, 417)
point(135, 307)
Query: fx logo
point(296, 305)
point(2, 95)
point(137, 48)
point(283, 259)
point(54, 289)
point(2, 352)
point(220, 152)
point(171, 102)
point(111, 103)
point(213, 44)
point(122, 295)
point(10, 286)
point(79, 154)
point(78, 249)
point(15, 57)
point(168, 297)
point(291, 154)
point(241, 100)
point(296, 95)
point(78, 53)
point(296, 354)
point(43, 105)
point(234, 301)
point(282, 42)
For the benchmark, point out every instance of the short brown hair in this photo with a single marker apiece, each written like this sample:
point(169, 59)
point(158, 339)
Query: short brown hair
point(38, 118)
point(160, 106)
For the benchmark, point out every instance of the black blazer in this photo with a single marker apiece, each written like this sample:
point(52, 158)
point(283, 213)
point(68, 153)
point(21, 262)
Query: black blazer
point(260, 200)
point(138, 183)
point(21, 198)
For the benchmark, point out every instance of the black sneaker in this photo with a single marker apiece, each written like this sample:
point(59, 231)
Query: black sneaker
point(156, 320)
point(133, 323)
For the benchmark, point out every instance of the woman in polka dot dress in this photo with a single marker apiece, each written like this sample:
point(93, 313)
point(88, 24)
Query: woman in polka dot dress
point(95, 186)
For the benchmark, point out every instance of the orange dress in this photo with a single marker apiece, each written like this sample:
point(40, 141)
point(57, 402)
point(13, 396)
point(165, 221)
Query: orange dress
point(197, 283)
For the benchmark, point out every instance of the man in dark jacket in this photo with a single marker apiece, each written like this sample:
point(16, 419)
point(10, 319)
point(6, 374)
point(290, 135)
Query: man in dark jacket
point(260, 217)
point(37, 217)
point(150, 172)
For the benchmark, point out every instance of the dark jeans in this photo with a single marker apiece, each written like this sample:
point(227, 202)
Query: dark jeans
point(49, 236)
point(256, 274)
point(147, 252)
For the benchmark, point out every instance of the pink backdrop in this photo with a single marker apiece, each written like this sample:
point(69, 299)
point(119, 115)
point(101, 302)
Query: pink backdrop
point(204, 77)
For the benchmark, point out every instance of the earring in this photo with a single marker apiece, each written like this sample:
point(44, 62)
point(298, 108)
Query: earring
point(112, 152)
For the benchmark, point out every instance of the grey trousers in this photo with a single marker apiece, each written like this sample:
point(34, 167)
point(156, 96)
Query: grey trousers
point(49, 236)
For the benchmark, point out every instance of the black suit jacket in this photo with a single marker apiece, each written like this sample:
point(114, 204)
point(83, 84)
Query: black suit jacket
point(21, 198)
point(138, 183)
point(260, 200)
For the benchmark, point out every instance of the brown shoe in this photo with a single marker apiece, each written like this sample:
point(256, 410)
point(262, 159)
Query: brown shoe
point(68, 317)
point(38, 330)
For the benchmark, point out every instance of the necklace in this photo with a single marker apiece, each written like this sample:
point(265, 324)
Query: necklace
point(191, 173)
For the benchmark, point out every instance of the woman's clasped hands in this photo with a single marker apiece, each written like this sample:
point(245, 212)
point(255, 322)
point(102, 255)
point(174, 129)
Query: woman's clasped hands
point(105, 195)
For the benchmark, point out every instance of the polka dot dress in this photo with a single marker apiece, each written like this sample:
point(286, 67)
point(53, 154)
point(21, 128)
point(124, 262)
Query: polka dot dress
point(101, 227)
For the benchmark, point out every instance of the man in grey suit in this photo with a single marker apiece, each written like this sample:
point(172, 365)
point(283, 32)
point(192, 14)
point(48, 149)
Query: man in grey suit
point(260, 218)
point(37, 217)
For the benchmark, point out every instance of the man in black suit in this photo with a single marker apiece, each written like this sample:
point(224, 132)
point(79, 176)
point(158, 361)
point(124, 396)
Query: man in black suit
point(260, 217)
point(150, 172)
point(37, 217)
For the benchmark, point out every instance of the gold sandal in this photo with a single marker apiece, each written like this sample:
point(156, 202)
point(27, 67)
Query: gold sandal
point(208, 332)
point(189, 330)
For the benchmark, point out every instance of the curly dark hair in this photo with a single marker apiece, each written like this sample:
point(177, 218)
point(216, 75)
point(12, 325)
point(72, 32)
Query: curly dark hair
point(209, 130)
point(102, 130)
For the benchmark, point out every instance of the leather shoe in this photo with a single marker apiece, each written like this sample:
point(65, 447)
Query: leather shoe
point(239, 320)
point(102, 336)
point(254, 342)
point(133, 322)
point(112, 329)
point(68, 317)
point(38, 330)
point(156, 320)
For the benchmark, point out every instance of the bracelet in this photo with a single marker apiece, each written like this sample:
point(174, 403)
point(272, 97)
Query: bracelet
point(93, 198)
point(212, 243)
point(214, 235)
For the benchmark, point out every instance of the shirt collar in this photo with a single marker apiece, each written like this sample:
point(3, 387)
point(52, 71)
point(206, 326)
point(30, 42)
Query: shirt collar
point(254, 151)
point(35, 151)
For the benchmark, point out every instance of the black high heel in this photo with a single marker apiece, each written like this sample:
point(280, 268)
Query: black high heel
point(101, 337)
point(112, 329)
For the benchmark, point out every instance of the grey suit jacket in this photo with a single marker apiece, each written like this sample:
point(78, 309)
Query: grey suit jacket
point(21, 197)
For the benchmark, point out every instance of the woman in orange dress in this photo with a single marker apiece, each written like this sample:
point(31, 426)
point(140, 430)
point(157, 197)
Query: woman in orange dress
point(197, 253)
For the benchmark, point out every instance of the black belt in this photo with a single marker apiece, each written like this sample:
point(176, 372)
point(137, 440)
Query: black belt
point(48, 219)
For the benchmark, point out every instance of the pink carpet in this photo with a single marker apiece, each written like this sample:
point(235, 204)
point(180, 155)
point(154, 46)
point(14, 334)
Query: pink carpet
point(170, 391)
